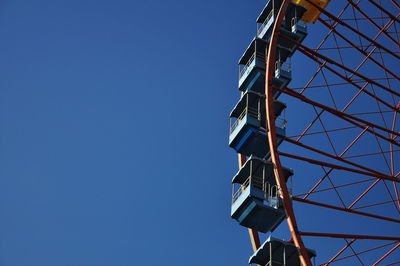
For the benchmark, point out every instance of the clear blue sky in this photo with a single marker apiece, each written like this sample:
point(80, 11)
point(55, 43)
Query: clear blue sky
point(114, 129)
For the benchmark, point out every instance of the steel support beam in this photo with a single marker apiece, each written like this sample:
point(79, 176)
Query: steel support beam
point(270, 117)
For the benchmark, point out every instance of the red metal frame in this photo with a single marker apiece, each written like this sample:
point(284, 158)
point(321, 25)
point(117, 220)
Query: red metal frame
point(372, 50)
point(269, 102)
point(395, 238)
point(315, 55)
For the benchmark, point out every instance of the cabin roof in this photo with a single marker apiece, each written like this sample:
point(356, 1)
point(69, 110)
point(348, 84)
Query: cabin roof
point(258, 163)
point(256, 44)
point(291, 11)
point(278, 246)
point(253, 98)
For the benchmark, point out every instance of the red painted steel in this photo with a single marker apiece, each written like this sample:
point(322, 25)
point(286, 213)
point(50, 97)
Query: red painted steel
point(370, 50)
point(346, 210)
point(307, 51)
point(332, 17)
point(340, 252)
point(367, 55)
point(387, 254)
point(395, 238)
point(376, 173)
point(384, 10)
point(359, 253)
point(342, 115)
point(387, 25)
point(269, 101)
point(331, 165)
point(372, 22)
point(385, 133)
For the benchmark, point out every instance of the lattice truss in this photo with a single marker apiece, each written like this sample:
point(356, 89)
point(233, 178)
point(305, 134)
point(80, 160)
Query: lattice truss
point(343, 133)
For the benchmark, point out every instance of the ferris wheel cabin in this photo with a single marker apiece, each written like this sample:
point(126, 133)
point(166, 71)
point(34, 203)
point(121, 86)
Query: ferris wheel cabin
point(292, 27)
point(312, 13)
point(252, 68)
point(256, 202)
point(248, 133)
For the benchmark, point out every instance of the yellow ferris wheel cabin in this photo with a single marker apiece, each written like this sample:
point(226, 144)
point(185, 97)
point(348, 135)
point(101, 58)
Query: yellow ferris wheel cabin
point(312, 13)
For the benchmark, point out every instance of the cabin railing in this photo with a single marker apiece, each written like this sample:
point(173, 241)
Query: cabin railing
point(247, 65)
point(261, 26)
point(253, 112)
point(296, 22)
point(243, 69)
point(280, 122)
point(271, 192)
point(285, 66)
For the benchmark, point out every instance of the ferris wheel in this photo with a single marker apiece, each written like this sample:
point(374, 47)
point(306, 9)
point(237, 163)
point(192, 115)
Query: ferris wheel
point(317, 133)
